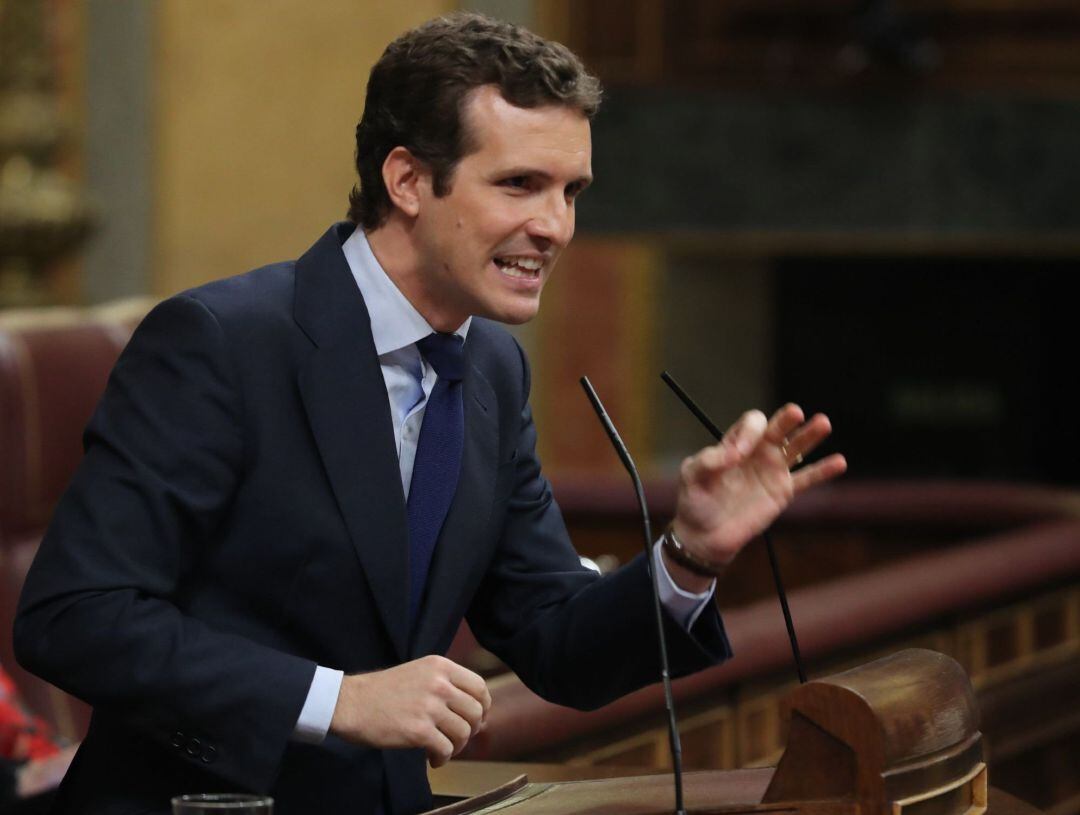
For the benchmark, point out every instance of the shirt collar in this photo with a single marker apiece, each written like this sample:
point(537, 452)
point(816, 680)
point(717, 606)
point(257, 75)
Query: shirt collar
point(395, 323)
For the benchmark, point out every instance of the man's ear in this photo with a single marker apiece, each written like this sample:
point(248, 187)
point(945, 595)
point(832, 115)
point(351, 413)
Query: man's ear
point(404, 175)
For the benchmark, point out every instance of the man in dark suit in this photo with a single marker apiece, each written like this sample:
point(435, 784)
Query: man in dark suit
point(300, 480)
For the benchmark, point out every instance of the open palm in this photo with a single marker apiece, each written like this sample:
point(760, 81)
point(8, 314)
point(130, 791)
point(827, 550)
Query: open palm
point(730, 492)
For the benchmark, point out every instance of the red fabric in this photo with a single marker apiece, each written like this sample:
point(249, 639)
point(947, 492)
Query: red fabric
point(23, 737)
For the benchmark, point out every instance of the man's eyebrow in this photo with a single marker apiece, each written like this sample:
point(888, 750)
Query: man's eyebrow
point(582, 181)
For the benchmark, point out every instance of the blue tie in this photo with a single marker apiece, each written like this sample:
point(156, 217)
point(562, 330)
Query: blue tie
point(438, 459)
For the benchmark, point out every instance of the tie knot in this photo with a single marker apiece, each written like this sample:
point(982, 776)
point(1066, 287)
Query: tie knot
point(445, 353)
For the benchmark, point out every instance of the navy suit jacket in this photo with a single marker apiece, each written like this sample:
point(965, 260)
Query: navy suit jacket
point(238, 518)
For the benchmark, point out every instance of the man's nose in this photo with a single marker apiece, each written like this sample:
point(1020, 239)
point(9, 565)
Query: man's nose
point(553, 221)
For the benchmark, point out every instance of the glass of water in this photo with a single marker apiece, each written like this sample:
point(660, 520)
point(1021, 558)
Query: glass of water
point(222, 804)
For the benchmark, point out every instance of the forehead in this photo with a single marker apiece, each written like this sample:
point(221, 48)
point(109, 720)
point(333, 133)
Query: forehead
point(554, 136)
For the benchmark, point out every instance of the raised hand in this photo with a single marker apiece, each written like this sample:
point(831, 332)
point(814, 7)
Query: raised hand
point(430, 703)
point(732, 491)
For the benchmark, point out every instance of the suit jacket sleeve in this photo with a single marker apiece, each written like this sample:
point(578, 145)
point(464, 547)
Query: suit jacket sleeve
point(573, 637)
point(101, 614)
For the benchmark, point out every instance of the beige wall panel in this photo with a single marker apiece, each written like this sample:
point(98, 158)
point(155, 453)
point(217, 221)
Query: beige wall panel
point(256, 104)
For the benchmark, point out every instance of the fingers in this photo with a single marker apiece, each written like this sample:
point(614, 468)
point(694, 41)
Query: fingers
point(458, 712)
point(449, 736)
point(706, 463)
point(795, 437)
point(467, 708)
point(747, 431)
point(818, 472)
point(783, 422)
point(430, 703)
point(738, 442)
point(439, 749)
point(800, 443)
point(473, 684)
point(786, 429)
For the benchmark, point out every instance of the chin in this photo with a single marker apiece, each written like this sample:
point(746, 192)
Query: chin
point(516, 318)
point(514, 313)
point(520, 315)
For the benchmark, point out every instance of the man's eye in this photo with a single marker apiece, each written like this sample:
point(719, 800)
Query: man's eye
point(517, 181)
point(576, 188)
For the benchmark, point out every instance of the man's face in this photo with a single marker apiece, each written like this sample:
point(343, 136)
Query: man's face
point(488, 245)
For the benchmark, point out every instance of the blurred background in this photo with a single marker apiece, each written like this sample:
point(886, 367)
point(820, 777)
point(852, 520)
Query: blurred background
point(865, 206)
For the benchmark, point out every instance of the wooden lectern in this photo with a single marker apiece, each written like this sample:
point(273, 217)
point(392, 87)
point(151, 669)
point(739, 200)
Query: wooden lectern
point(898, 736)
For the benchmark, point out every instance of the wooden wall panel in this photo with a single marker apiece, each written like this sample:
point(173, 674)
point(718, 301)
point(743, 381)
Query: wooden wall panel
point(257, 104)
point(829, 44)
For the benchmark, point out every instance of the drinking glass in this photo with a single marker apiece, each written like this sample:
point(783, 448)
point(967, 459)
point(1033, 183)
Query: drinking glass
point(222, 804)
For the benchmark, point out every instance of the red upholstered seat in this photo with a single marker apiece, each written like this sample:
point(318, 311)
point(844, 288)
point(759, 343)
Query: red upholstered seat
point(53, 367)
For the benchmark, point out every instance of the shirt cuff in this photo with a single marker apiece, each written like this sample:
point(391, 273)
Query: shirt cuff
point(684, 606)
point(318, 710)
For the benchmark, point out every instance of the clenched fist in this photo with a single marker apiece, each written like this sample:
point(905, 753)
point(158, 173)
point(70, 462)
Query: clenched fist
point(430, 703)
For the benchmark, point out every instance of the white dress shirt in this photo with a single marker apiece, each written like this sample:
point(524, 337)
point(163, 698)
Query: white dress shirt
point(396, 326)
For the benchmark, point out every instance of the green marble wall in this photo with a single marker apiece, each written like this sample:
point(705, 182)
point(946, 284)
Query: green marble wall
point(884, 163)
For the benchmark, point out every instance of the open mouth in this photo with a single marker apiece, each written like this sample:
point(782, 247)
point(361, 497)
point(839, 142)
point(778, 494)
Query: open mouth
point(524, 268)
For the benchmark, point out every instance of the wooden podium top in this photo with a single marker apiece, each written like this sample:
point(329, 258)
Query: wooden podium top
point(463, 779)
point(896, 736)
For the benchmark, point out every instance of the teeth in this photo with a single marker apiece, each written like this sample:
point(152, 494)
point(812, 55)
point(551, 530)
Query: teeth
point(514, 271)
point(520, 267)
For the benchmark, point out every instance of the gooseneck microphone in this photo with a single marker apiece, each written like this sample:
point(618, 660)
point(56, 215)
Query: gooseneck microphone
point(718, 435)
point(628, 463)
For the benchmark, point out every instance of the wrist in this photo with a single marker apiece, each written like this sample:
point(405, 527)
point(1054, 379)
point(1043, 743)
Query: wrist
point(683, 577)
point(343, 722)
point(687, 561)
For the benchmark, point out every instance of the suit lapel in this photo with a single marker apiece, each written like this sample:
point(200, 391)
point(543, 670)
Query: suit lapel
point(456, 549)
point(347, 407)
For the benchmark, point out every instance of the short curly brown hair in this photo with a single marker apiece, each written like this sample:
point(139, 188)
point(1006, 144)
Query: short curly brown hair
point(417, 90)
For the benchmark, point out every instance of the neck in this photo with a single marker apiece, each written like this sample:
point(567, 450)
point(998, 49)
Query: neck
point(394, 246)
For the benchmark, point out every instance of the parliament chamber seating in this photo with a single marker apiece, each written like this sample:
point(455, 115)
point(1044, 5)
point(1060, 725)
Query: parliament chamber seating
point(988, 573)
point(53, 366)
